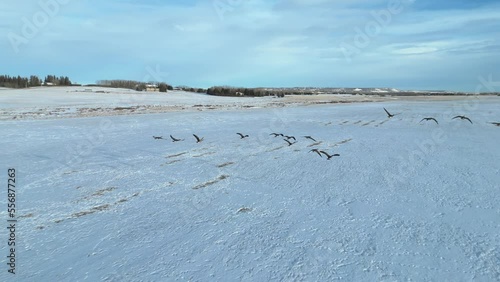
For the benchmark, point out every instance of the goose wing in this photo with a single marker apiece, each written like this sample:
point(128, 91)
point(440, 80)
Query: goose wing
point(324, 153)
point(389, 114)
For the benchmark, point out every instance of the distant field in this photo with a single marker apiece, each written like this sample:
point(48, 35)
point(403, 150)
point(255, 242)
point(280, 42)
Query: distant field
point(60, 102)
point(406, 200)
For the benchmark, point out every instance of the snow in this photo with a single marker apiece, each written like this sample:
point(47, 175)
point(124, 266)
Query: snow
point(101, 200)
point(63, 102)
point(79, 97)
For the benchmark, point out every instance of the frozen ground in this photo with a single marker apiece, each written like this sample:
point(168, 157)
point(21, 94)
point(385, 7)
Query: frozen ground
point(63, 102)
point(101, 200)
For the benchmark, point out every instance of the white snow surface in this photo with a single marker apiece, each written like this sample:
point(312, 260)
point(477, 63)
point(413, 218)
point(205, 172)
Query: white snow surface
point(60, 102)
point(100, 96)
point(100, 200)
point(64, 102)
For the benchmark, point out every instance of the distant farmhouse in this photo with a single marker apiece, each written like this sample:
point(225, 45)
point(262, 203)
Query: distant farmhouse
point(152, 88)
point(147, 87)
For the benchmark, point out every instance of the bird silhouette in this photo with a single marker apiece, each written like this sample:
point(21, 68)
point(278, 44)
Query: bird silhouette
point(430, 118)
point(277, 134)
point(198, 139)
point(462, 118)
point(495, 123)
point(316, 151)
point(309, 137)
point(242, 136)
point(388, 114)
point(328, 155)
point(290, 137)
point(289, 143)
point(175, 139)
point(158, 137)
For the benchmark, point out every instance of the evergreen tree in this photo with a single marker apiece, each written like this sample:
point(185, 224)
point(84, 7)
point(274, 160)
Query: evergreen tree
point(162, 87)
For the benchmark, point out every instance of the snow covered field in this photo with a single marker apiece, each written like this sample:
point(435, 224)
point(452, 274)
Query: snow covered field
point(63, 102)
point(100, 200)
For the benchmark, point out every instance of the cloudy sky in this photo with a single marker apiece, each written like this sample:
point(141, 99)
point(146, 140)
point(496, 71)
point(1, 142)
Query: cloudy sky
point(420, 44)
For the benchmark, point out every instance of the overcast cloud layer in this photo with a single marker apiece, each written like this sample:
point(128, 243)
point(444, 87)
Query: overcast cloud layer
point(406, 44)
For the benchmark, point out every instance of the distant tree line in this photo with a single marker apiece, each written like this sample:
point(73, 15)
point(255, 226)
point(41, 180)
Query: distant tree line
point(54, 80)
point(134, 85)
point(281, 92)
point(32, 81)
point(191, 89)
point(14, 82)
point(250, 92)
point(142, 86)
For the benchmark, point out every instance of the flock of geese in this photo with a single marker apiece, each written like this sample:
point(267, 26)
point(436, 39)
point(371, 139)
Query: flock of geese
point(389, 115)
point(288, 138)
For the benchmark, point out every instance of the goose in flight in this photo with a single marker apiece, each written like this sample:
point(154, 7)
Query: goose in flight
point(290, 137)
point(316, 151)
point(277, 134)
point(198, 139)
point(175, 139)
point(289, 143)
point(389, 115)
point(309, 137)
point(242, 136)
point(158, 137)
point(328, 155)
point(430, 118)
point(462, 118)
point(495, 123)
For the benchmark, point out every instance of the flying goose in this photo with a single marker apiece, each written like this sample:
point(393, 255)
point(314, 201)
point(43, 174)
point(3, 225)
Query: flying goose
point(289, 143)
point(198, 139)
point(158, 137)
point(277, 134)
point(430, 118)
point(495, 123)
point(388, 114)
point(463, 117)
point(329, 156)
point(316, 151)
point(242, 136)
point(309, 137)
point(290, 137)
point(175, 139)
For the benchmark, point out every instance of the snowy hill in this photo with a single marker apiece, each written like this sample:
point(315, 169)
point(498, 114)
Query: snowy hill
point(101, 200)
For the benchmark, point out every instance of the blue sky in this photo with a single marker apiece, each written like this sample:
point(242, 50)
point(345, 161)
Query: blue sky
point(420, 44)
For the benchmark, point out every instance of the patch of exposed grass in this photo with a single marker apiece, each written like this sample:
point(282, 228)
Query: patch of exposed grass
point(211, 182)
